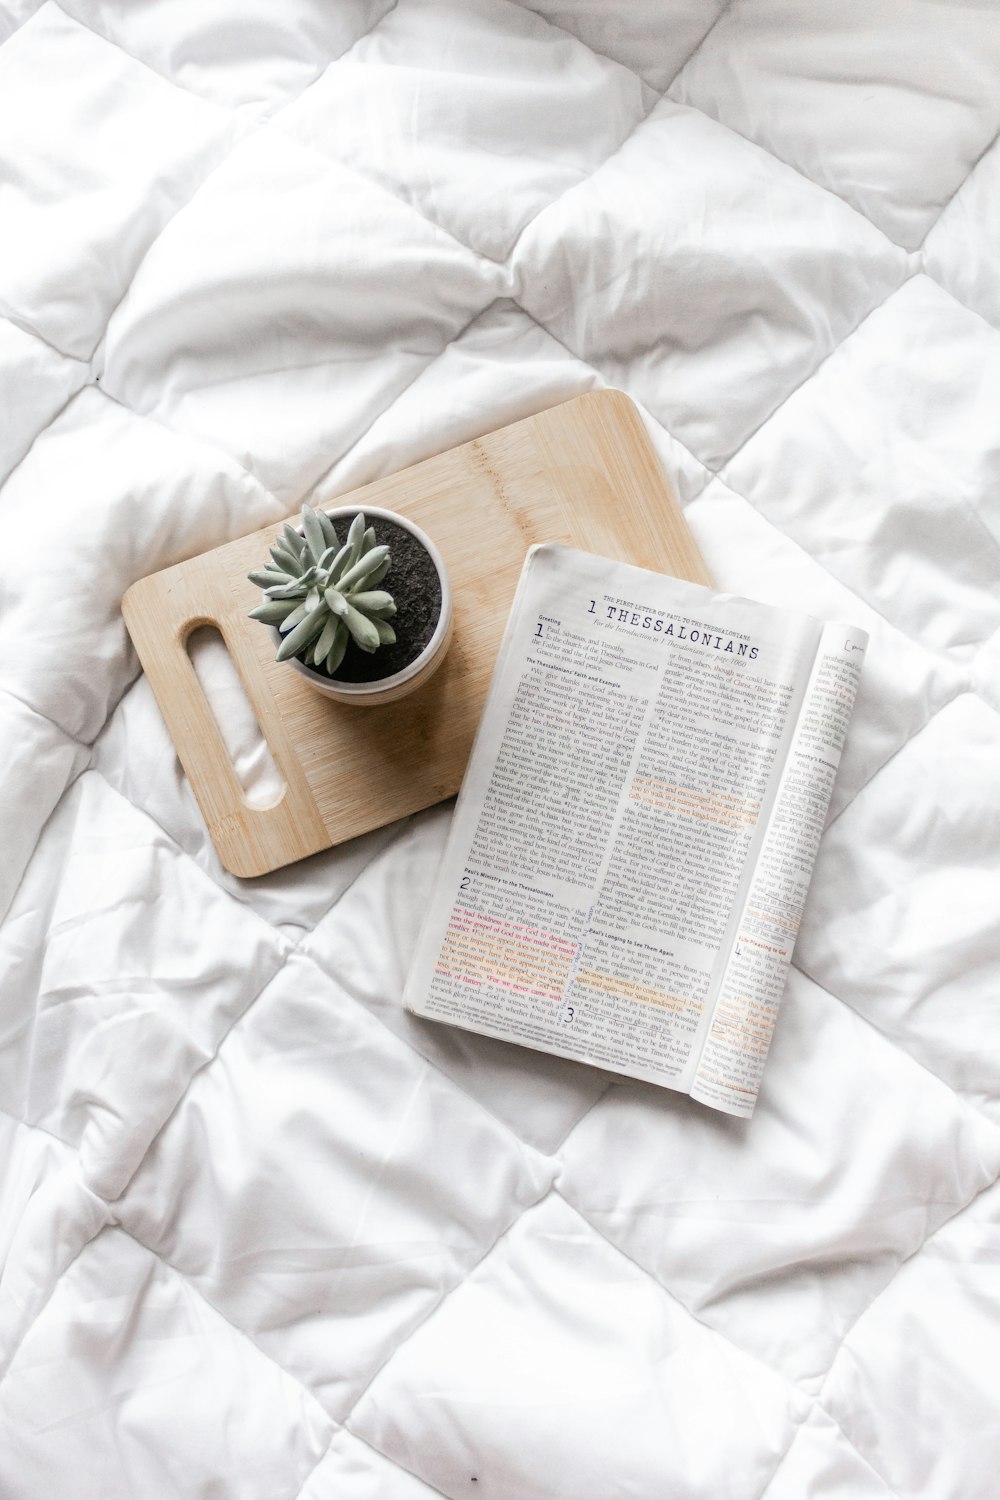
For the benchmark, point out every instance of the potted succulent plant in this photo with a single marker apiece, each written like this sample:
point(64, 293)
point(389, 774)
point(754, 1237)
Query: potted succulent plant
point(332, 619)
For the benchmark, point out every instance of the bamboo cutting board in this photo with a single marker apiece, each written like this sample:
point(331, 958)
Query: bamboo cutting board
point(583, 473)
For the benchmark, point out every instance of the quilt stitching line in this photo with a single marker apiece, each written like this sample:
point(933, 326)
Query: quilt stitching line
point(506, 260)
point(255, 126)
point(6, 691)
point(819, 1408)
point(10, 1355)
point(793, 1383)
point(382, 1457)
point(469, 1271)
point(802, 175)
point(191, 440)
point(965, 1105)
point(798, 1423)
point(770, 150)
point(97, 348)
point(157, 1132)
point(959, 301)
point(435, 1067)
point(994, 138)
point(560, 25)
point(656, 102)
point(724, 10)
point(943, 653)
point(454, 338)
point(819, 1398)
point(63, 407)
point(572, 187)
point(328, 1422)
point(30, 1125)
point(281, 944)
point(298, 949)
point(337, 1421)
point(719, 473)
point(747, 140)
point(18, 321)
point(890, 1488)
point(221, 109)
point(364, 177)
point(960, 690)
point(210, 445)
point(23, 20)
point(658, 97)
point(606, 385)
point(792, 1386)
point(796, 1393)
point(331, 163)
point(260, 112)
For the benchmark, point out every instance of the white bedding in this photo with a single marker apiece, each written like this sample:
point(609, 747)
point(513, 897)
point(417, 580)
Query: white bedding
point(263, 1236)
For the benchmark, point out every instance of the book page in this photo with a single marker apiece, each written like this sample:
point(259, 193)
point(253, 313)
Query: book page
point(612, 815)
point(732, 1060)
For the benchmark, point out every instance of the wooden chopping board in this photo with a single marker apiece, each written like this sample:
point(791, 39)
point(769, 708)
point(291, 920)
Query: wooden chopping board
point(583, 473)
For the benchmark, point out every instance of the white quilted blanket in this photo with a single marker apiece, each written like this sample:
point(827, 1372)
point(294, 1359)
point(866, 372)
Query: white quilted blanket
point(264, 1236)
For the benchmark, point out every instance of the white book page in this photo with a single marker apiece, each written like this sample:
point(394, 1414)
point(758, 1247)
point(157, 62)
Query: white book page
point(612, 814)
point(729, 1069)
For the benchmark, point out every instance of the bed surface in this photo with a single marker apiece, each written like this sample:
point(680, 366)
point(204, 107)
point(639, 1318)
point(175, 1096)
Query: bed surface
point(262, 1235)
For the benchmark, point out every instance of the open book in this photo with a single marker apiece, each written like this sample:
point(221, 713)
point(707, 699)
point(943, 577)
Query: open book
point(635, 834)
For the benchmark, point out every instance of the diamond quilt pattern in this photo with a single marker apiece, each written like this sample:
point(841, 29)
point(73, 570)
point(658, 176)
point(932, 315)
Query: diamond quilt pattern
point(263, 1236)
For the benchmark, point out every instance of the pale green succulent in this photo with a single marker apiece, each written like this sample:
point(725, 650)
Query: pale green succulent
point(319, 594)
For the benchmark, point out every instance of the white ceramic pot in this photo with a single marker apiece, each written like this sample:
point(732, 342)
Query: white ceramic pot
point(423, 667)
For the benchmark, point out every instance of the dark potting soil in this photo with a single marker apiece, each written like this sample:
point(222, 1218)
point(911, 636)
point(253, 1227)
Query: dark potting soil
point(413, 582)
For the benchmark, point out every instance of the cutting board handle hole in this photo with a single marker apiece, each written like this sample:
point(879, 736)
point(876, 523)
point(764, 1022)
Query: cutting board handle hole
point(263, 784)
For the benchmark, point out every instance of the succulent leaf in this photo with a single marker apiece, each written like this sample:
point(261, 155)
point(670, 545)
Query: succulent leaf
point(286, 561)
point(368, 540)
point(305, 632)
point(338, 648)
point(327, 637)
point(386, 634)
point(362, 629)
point(339, 563)
point(292, 542)
point(293, 616)
point(356, 536)
point(270, 614)
point(314, 532)
point(370, 602)
point(267, 578)
point(297, 589)
point(361, 570)
point(329, 531)
point(374, 579)
point(335, 602)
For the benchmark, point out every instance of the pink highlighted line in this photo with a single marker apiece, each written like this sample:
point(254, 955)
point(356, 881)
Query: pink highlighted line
point(551, 940)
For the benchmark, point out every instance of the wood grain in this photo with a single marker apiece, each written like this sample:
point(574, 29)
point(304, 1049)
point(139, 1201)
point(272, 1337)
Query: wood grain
point(583, 473)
